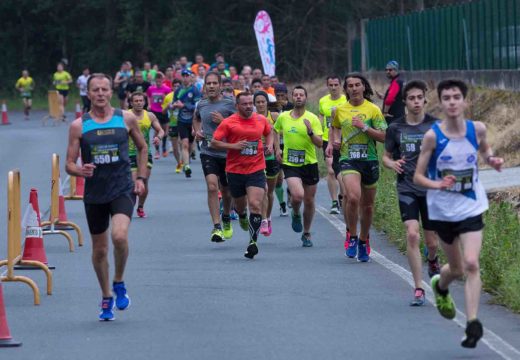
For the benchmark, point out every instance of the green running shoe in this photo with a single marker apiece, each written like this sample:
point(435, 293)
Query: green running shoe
point(445, 304)
point(228, 230)
point(244, 223)
point(217, 235)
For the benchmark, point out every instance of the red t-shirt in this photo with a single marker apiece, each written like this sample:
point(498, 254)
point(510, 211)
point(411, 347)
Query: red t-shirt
point(234, 129)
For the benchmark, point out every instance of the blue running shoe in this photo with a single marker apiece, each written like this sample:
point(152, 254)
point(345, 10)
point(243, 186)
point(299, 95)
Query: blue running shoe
point(233, 215)
point(362, 254)
point(107, 309)
point(296, 222)
point(351, 251)
point(122, 299)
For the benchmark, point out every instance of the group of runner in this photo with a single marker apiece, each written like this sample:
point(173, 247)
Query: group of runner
point(246, 148)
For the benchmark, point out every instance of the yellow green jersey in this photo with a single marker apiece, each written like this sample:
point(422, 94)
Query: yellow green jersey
point(172, 113)
point(298, 148)
point(145, 124)
point(326, 106)
point(26, 85)
point(60, 80)
point(355, 144)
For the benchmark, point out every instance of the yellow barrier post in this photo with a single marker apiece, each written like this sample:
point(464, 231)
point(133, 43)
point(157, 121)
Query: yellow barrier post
point(14, 240)
point(52, 226)
point(55, 112)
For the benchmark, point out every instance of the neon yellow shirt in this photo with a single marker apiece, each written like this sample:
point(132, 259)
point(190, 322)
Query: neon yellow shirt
point(326, 105)
point(60, 78)
point(298, 148)
point(26, 84)
point(145, 124)
point(355, 144)
point(172, 114)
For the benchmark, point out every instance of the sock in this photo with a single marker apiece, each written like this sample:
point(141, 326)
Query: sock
point(254, 226)
point(432, 261)
point(117, 282)
point(440, 291)
point(279, 193)
point(353, 237)
point(164, 143)
point(226, 218)
point(217, 226)
point(335, 202)
point(244, 215)
point(362, 242)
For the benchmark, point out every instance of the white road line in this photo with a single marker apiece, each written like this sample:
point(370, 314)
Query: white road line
point(492, 340)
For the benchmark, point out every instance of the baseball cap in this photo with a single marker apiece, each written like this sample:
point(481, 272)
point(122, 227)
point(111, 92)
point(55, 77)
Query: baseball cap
point(186, 72)
point(280, 87)
point(392, 64)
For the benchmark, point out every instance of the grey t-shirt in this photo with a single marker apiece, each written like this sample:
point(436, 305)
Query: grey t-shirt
point(404, 140)
point(205, 107)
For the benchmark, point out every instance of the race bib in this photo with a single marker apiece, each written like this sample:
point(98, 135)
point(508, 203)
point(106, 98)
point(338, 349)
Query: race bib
point(328, 121)
point(105, 154)
point(251, 149)
point(411, 143)
point(296, 157)
point(463, 181)
point(157, 99)
point(358, 151)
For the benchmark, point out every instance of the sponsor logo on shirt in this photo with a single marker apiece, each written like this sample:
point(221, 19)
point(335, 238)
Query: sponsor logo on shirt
point(106, 132)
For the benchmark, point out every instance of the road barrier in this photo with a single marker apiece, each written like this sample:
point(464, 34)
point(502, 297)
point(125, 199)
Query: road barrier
point(57, 224)
point(14, 240)
point(55, 110)
point(76, 187)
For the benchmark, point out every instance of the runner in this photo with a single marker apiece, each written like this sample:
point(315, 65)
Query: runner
point(25, 85)
point(326, 105)
point(210, 112)
point(301, 131)
point(358, 124)
point(266, 85)
point(149, 74)
point(227, 88)
point(156, 94)
point(402, 146)
point(185, 99)
point(102, 134)
point(456, 200)
point(121, 81)
point(241, 135)
point(256, 85)
point(199, 62)
point(272, 166)
point(146, 120)
point(138, 85)
point(173, 132)
point(81, 83)
point(61, 80)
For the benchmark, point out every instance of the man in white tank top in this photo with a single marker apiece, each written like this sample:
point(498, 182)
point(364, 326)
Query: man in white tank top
point(448, 168)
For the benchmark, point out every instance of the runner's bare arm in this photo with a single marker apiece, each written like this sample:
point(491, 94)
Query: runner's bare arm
point(389, 163)
point(419, 178)
point(485, 150)
point(71, 167)
point(159, 132)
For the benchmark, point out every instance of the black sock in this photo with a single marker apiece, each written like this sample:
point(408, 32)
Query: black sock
point(362, 242)
point(226, 218)
point(254, 225)
point(440, 291)
point(432, 261)
point(243, 216)
point(217, 226)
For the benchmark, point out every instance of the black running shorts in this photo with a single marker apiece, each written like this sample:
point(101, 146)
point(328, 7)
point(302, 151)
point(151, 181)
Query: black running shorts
point(369, 170)
point(238, 183)
point(98, 215)
point(448, 230)
point(412, 206)
point(309, 173)
point(216, 166)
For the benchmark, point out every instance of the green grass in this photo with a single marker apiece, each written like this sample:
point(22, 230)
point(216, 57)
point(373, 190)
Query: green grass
point(500, 255)
point(14, 102)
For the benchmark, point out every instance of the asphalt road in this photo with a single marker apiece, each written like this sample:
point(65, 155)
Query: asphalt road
point(193, 299)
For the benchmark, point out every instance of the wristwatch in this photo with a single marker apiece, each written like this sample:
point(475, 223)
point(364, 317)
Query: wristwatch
point(365, 128)
point(141, 178)
point(310, 133)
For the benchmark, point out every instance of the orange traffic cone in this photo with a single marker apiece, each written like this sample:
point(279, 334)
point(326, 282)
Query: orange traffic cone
point(5, 336)
point(33, 248)
point(5, 118)
point(78, 110)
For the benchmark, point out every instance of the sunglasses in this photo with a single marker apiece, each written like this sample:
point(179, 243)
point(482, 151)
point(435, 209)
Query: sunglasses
point(388, 70)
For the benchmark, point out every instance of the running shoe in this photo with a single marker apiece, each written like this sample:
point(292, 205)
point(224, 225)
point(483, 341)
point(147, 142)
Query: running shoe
point(418, 298)
point(347, 240)
point(351, 251)
point(122, 299)
point(296, 222)
point(187, 171)
point(283, 209)
point(227, 230)
point(157, 155)
point(140, 212)
point(165, 153)
point(107, 309)
point(233, 215)
point(264, 227)
point(445, 304)
point(334, 209)
point(434, 267)
point(178, 168)
point(244, 223)
point(269, 228)
point(362, 254)
point(252, 250)
point(217, 235)
point(306, 241)
point(474, 332)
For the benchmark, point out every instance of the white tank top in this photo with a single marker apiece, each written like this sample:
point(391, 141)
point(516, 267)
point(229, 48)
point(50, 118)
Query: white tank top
point(467, 198)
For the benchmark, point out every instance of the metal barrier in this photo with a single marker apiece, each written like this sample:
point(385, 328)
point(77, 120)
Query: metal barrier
point(52, 226)
point(14, 240)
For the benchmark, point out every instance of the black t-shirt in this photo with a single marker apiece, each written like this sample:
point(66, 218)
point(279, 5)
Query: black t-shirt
point(142, 87)
point(404, 140)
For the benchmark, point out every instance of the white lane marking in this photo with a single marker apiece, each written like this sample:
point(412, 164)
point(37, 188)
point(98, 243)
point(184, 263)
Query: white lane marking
point(492, 340)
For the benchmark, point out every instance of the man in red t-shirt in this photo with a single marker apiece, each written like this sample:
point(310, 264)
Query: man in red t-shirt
point(241, 135)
